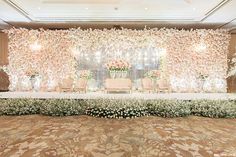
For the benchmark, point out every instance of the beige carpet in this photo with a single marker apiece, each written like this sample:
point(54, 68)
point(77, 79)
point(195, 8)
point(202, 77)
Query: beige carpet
point(96, 137)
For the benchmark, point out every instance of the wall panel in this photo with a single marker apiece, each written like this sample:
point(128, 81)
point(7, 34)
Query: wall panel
point(4, 80)
point(3, 49)
point(232, 50)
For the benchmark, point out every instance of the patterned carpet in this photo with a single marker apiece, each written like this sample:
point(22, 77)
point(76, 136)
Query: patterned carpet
point(96, 137)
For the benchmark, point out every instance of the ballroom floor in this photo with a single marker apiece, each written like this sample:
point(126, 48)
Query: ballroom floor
point(88, 136)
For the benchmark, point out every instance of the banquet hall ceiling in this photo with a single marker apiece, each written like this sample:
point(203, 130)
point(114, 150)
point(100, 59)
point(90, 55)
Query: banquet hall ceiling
point(124, 13)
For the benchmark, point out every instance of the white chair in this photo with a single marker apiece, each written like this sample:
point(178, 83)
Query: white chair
point(147, 85)
point(66, 85)
point(80, 85)
point(163, 86)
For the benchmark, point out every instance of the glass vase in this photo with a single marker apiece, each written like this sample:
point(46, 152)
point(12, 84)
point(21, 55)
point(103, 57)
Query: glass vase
point(33, 83)
point(118, 74)
point(112, 74)
point(124, 74)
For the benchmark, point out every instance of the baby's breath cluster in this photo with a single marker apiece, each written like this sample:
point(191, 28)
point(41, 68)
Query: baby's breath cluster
point(113, 108)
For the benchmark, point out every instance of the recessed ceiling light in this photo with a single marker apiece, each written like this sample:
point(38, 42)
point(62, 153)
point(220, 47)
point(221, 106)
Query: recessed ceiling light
point(39, 8)
point(194, 9)
point(86, 8)
point(146, 8)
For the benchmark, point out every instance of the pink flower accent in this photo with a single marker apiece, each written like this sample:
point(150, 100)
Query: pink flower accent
point(118, 64)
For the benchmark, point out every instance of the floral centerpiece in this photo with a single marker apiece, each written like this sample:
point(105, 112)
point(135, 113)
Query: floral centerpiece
point(4, 68)
point(32, 74)
point(86, 74)
point(232, 69)
point(118, 68)
point(153, 74)
point(4, 79)
point(202, 79)
point(118, 65)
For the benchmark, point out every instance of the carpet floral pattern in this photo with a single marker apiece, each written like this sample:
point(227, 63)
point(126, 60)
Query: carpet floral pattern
point(86, 136)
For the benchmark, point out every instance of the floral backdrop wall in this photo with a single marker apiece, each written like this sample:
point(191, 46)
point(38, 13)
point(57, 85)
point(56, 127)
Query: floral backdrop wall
point(188, 55)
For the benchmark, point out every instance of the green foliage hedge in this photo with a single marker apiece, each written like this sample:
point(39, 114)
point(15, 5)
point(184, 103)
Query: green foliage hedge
point(19, 106)
point(214, 109)
point(61, 107)
point(122, 108)
point(169, 108)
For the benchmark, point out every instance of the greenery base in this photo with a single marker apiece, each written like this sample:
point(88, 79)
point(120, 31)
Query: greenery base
point(122, 108)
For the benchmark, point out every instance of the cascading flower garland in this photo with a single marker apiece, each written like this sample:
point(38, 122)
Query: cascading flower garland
point(118, 65)
point(4, 68)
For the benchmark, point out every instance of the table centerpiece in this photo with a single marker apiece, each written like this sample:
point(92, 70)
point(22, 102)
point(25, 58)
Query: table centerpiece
point(118, 68)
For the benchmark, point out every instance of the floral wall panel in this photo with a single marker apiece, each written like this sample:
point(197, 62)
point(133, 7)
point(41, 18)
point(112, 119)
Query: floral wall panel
point(53, 61)
point(188, 56)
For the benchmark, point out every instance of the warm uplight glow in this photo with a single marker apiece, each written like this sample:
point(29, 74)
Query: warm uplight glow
point(98, 54)
point(74, 51)
point(201, 47)
point(35, 46)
